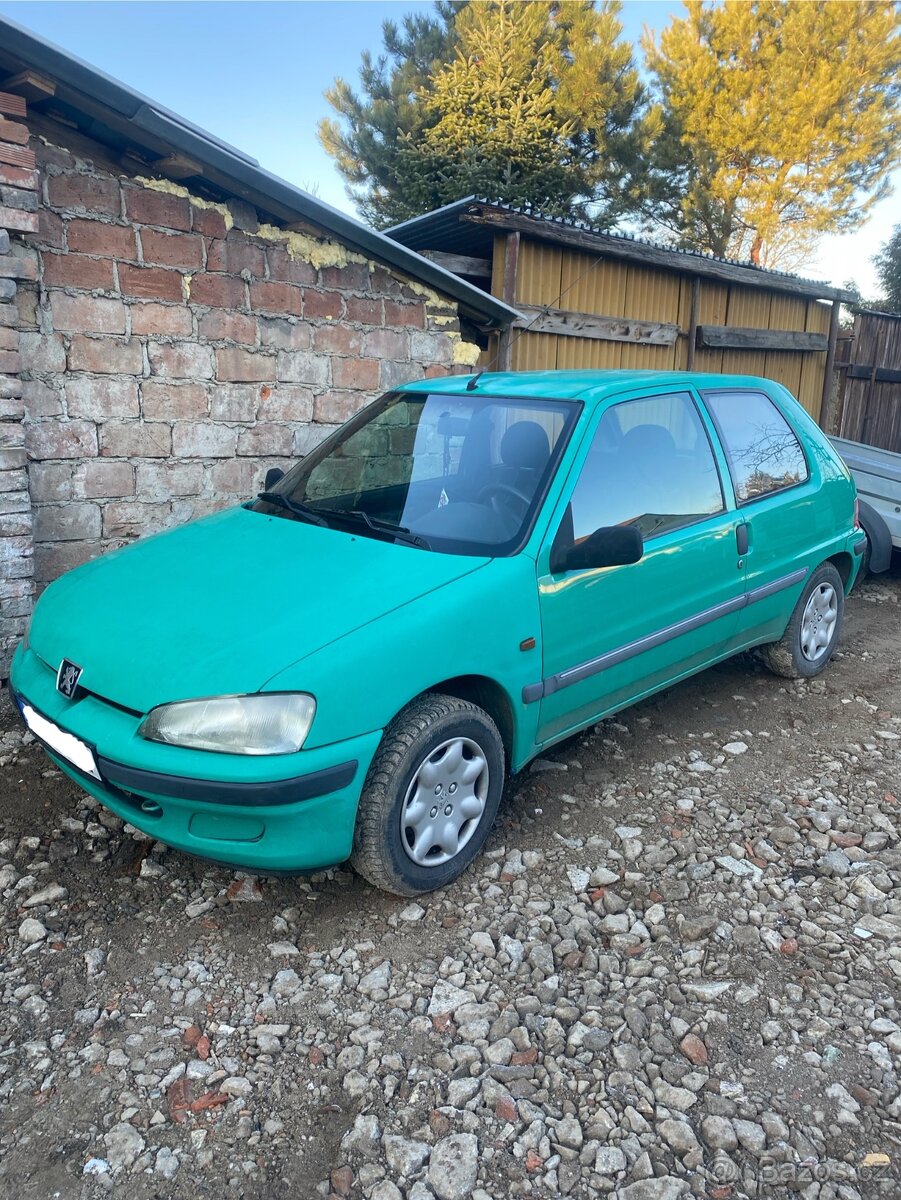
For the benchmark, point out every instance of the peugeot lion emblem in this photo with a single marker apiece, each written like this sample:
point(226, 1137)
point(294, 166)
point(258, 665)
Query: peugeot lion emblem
point(67, 678)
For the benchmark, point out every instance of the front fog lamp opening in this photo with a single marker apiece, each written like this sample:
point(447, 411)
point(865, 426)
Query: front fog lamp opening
point(271, 723)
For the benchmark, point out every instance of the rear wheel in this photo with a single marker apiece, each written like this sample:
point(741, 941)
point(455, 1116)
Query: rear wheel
point(430, 797)
point(813, 630)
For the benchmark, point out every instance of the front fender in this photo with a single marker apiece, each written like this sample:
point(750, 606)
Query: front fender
point(471, 626)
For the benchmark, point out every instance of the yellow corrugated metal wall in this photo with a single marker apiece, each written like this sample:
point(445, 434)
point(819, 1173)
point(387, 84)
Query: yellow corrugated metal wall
point(580, 282)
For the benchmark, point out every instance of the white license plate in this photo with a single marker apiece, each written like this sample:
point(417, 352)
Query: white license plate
point(67, 745)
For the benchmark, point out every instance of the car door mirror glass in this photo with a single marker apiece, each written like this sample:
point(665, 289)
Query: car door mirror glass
point(273, 475)
point(610, 546)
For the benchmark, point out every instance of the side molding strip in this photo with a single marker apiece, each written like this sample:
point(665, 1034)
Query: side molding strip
point(564, 679)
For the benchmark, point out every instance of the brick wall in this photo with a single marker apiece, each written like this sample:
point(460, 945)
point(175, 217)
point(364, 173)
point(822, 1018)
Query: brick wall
point(172, 349)
point(18, 204)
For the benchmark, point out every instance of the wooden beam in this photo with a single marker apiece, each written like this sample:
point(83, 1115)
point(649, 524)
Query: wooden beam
point(693, 323)
point(32, 85)
point(735, 338)
point(590, 325)
point(825, 415)
point(511, 262)
point(177, 166)
point(648, 255)
point(460, 264)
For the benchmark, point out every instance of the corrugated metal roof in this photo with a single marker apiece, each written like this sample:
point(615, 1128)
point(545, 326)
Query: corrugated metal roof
point(452, 229)
point(113, 113)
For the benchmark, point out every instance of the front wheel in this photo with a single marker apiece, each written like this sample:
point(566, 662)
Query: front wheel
point(812, 634)
point(430, 797)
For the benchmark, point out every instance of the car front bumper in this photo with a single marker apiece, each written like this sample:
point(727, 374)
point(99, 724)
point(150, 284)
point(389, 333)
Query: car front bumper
point(280, 813)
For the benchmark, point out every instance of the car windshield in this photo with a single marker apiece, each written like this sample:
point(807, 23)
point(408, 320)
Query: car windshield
point(459, 474)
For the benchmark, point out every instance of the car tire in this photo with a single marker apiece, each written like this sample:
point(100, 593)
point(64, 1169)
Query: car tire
point(813, 630)
point(439, 769)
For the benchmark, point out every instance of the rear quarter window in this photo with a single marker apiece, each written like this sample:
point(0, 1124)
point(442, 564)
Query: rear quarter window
point(762, 449)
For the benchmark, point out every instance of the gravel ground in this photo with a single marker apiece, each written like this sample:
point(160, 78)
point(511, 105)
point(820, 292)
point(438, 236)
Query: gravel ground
point(673, 973)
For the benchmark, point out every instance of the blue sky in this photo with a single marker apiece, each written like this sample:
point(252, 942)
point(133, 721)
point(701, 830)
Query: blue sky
point(254, 74)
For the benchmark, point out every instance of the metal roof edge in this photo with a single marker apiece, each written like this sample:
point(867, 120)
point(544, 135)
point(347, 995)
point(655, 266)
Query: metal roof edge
point(682, 259)
point(232, 164)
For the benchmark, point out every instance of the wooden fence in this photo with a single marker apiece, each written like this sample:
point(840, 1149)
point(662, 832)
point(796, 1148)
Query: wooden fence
point(870, 398)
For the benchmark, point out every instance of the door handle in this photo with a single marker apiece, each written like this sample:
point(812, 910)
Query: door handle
point(741, 538)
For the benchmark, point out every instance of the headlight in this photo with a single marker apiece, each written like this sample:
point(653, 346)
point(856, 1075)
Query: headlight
point(274, 723)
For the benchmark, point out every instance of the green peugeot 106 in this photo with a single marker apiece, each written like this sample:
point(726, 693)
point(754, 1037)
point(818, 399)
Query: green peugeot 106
point(468, 571)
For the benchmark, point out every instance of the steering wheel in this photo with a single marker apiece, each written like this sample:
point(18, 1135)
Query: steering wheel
point(495, 493)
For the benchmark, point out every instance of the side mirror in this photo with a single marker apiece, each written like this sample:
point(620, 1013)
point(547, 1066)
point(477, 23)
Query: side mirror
point(610, 546)
point(273, 475)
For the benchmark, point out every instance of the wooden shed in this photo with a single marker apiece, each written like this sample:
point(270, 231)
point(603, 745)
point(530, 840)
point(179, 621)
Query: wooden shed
point(590, 298)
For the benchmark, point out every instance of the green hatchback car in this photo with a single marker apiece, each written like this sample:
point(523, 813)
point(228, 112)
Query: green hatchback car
point(468, 571)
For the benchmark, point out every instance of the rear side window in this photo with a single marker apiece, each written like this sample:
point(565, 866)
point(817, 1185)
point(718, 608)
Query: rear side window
point(763, 452)
point(650, 464)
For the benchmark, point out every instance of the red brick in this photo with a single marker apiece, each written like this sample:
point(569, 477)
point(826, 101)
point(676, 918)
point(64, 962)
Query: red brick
point(235, 254)
point(107, 356)
point(103, 480)
point(181, 360)
point(41, 400)
point(266, 441)
point(153, 283)
point(135, 439)
point(100, 399)
point(147, 207)
point(235, 402)
point(276, 297)
point(44, 353)
point(217, 291)
point(171, 402)
point(101, 237)
point(172, 249)
point(362, 373)
point(131, 519)
point(13, 131)
point(208, 222)
point(286, 402)
point(388, 343)
point(321, 304)
point(49, 231)
point(284, 334)
point(234, 365)
point(336, 407)
point(16, 218)
point(363, 310)
point(170, 319)
point(51, 561)
point(228, 326)
point(19, 177)
point(67, 439)
point(203, 440)
point(98, 193)
point(75, 270)
point(352, 278)
point(288, 270)
point(405, 314)
point(337, 339)
point(159, 481)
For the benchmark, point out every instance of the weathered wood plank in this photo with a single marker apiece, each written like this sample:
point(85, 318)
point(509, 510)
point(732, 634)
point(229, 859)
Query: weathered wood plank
point(590, 325)
point(738, 338)
point(32, 85)
point(651, 256)
point(460, 264)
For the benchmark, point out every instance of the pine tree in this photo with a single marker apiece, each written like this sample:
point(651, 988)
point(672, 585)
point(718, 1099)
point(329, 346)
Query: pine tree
point(888, 270)
point(533, 102)
point(775, 123)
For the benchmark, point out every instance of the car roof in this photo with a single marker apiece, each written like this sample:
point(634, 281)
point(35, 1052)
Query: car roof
point(588, 386)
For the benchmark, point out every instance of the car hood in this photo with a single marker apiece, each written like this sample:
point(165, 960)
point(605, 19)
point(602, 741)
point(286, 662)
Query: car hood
point(221, 605)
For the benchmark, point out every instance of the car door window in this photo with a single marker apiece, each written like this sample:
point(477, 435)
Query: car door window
point(650, 464)
point(763, 453)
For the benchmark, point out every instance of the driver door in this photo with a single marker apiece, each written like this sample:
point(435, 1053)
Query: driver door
point(613, 634)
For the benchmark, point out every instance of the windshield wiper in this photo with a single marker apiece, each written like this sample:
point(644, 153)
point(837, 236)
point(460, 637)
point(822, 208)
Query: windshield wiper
point(300, 510)
point(399, 532)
